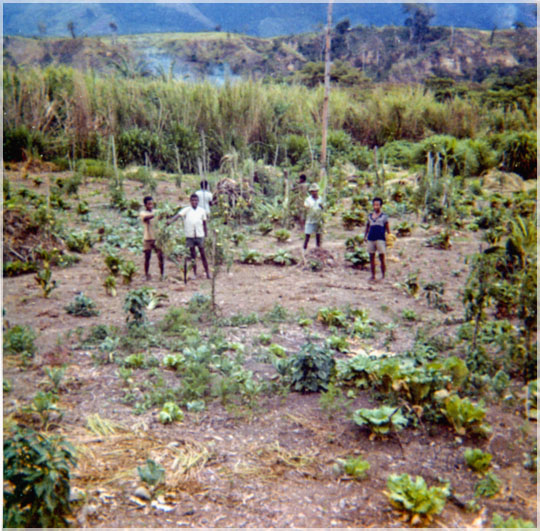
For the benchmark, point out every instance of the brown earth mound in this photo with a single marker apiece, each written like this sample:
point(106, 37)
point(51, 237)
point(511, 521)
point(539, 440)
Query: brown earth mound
point(500, 181)
point(23, 235)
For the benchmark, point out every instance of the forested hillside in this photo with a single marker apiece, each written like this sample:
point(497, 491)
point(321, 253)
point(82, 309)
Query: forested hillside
point(396, 54)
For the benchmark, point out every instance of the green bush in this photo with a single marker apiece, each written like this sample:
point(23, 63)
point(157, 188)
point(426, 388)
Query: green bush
point(36, 480)
point(19, 339)
point(95, 168)
point(21, 140)
point(80, 242)
point(82, 306)
point(308, 370)
point(519, 153)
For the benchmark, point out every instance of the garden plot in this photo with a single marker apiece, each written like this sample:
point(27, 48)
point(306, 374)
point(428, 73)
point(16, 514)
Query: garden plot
point(282, 385)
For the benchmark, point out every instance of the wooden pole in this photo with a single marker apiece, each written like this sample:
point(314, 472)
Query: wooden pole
point(326, 90)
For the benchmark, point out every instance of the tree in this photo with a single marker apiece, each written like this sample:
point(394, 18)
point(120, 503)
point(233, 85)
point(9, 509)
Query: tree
point(71, 28)
point(418, 20)
point(114, 29)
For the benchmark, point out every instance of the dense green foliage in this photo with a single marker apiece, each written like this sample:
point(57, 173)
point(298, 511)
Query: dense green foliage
point(209, 125)
point(36, 479)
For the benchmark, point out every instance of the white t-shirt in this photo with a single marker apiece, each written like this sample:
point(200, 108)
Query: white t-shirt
point(314, 212)
point(193, 221)
point(205, 198)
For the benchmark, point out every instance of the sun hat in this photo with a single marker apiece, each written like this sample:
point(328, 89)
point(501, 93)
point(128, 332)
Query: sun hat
point(314, 188)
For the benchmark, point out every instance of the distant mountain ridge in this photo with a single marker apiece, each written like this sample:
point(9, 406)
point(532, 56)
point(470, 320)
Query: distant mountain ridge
point(260, 20)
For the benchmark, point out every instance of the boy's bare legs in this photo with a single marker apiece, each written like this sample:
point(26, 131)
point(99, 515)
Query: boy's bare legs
point(306, 241)
point(372, 265)
point(383, 264)
point(318, 239)
point(147, 255)
point(193, 254)
point(204, 261)
point(159, 253)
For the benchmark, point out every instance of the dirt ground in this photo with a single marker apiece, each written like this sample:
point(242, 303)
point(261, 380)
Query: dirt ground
point(271, 465)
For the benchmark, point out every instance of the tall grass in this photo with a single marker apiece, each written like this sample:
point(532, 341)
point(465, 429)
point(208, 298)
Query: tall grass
point(77, 114)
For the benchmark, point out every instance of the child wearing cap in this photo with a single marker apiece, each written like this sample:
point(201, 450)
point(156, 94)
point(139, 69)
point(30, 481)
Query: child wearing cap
point(314, 206)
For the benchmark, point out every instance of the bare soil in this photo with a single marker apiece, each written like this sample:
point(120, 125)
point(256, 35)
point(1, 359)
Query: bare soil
point(271, 465)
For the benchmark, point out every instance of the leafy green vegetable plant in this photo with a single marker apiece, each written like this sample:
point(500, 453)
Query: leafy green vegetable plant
point(332, 317)
point(282, 235)
point(45, 281)
point(110, 285)
point(488, 486)
point(251, 256)
point(152, 473)
point(139, 300)
point(380, 420)
point(355, 467)
point(415, 498)
point(55, 374)
point(36, 480)
point(465, 416)
point(511, 523)
point(477, 460)
point(127, 271)
point(170, 413)
point(80, 242)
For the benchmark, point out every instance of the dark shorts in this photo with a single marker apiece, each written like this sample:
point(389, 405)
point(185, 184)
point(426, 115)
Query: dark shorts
point(194, 242)
point(148, 245)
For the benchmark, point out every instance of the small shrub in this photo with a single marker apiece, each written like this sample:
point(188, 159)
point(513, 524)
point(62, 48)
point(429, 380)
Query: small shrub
point(409, 315)
point(277, 350)
point(489, 486)
point(308, 370)
point(82, 306)
point(19, 339)
point(36, 480)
